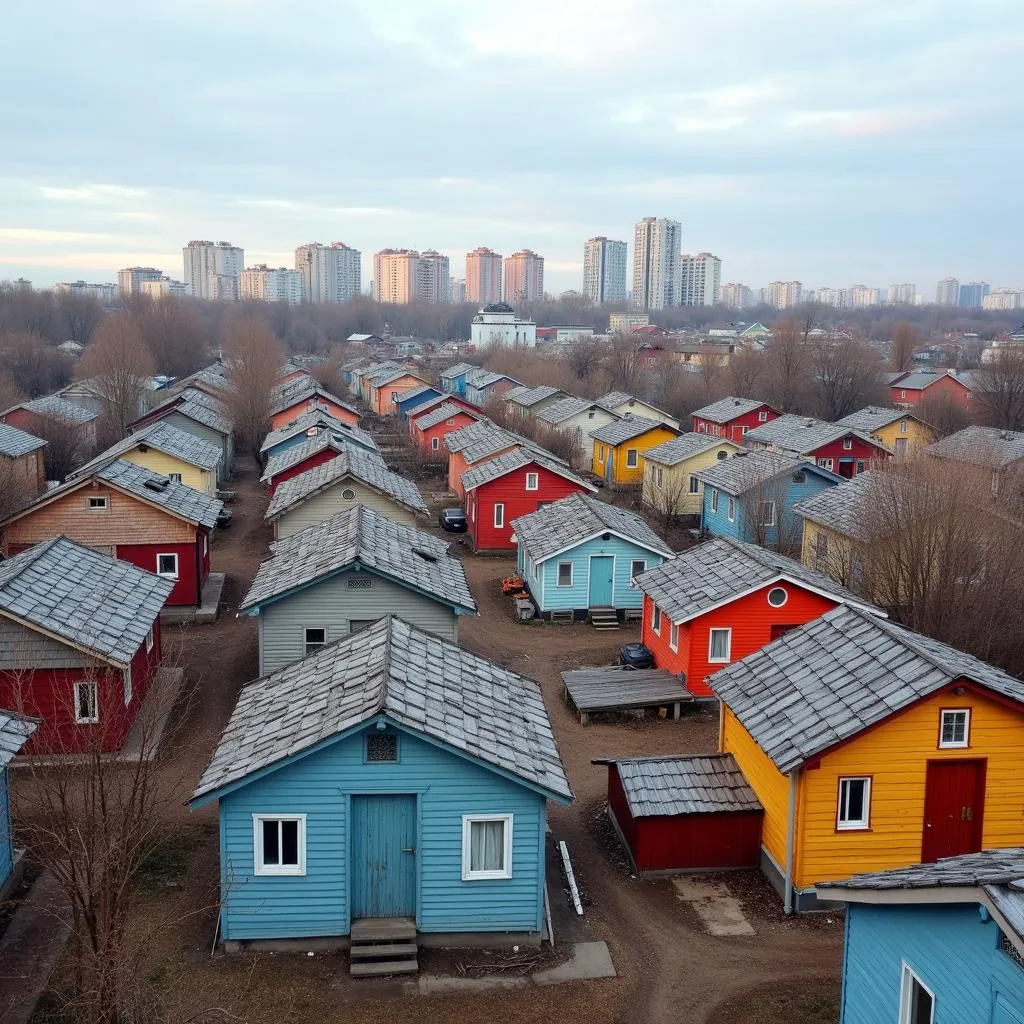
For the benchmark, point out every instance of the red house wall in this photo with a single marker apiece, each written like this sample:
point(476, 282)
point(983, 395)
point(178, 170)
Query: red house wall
point(946, 385)
point(441, 430)
point(733, 430)
point(191, 571)
point(457, 465)
point(518, 501)
point(860, 450)
point(620, 808)
point(293, 412)
point(300, 467)
point(23, 419)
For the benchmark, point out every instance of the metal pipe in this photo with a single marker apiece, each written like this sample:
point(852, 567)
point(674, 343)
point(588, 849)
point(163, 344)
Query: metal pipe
point(794, 776)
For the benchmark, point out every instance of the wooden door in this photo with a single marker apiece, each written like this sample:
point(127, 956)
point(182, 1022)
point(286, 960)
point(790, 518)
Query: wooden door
point(954, 808)
point(601, 590)
point(383, 830)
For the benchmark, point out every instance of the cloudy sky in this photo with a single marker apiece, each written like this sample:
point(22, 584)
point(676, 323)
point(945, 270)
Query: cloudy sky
point(834, 141)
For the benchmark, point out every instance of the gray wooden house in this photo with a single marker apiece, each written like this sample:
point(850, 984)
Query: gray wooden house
point(337, 577)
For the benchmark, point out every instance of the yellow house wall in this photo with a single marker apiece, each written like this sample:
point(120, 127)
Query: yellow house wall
point(621, 474)
point(896, 756)
point(675, 481)
point(837, 562)
point(918, 435)
point(201, 479)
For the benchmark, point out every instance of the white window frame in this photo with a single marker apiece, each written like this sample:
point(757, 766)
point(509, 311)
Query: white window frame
point(762, 416)
point(955, 745)
point(467, 832)
point(862, 824)
point(730, 509)
point(824, 464)
point(714, 499)
point(770, 506)
point(642, 562)
point(635, 453)
point(656, 619)
point(728, 645)
point(558, 574)
point(499, 515)
point(694, 484)
point(306, 651)
point(175, 478)
point(168, 554)
point(744, 431)
point(673, 635)
point(782, 603)
point(150, 640)
point(93, 686)
point(435, 443)
point(103, 503)
point(533, 481)
point(908, 978)
point(259, 867)
point(904, 426)
point(847, 444)
point(903, 393)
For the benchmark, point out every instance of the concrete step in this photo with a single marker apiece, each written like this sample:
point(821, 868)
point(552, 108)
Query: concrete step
point(384, 950)
point(382, 968)
point(383, 929)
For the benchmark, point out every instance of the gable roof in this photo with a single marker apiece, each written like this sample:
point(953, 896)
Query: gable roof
point(412, 677)
point(626, 429)
point(441, 412)
point(457, 370)
point(755, 467)
point(517, 458)
point(721, 570)
point(360, 535)
point(611, 400)
point(353, 462)
point(55, 407)
point(15, 443)
point(15, 730)
point(566, 408)
point(382, 380)
point(95, 603)
point(838, 675)
point(576, 519)
point(406, 396)
point(804, 434)
point(480, 378)
point(843, 509)
point(480, 440)
point(727, 409)
point(874, 417)
point(685, 446)
point(989, 867)
point(337, 440)
point(193, 407)
point(920, 379)
point(317, 419)
point(166, 438)
point(983, 446)
point(294, 391)
point(528, 397)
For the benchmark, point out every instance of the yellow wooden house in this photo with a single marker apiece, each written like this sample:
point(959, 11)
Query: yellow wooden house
point(173, 453)
point(835, 528)
point(671, 486)
point(871, 747)
point(900, 429)
point(619, 448)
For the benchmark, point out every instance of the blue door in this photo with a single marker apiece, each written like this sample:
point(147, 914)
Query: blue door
point(383, 856)
point(601, 567)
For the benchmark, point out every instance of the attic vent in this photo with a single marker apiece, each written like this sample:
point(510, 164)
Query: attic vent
point(425, 555)
point(158, 484)
point(143, 447)
point(1007, 947)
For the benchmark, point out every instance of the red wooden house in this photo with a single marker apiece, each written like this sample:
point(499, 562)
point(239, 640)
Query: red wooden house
point(311, 452)
point(724, 599)
point(511, 485)
point(430, 429)
point(432, 403)
point(908, 390)
point(82, 655)
point(732, 418)
point(133, 514)
point(293, 399)
point(844, 451)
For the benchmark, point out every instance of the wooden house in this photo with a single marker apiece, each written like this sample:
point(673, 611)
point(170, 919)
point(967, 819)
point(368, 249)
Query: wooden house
point(42, 416)
point(623, 404)
point(619, 449)
point(22, 467)
point(715, 603)
point(314, 451)
point(312, 424)
point(80, 655)
point(733, 418)
point(362, 374)
point(408, 401)
point(15, 731)
point(999, 451)
point(354, 477)
point(385, 389)
point(510, 485)
point(484, 385)
point(167, 451)
point(345, 799)
point(870, 748)
point(293, 399)
point(671, 485)
point(844, 451)
point(935, 942)
point(580, 553)
point(577, 418)
point(525, 401)
point(908, 390)
point(836, 527)
point(335, 578)
point(196, 412)
point(453, 379)
point(429, 429)
point(133, 514)
point(899, 430)
point(479, 442)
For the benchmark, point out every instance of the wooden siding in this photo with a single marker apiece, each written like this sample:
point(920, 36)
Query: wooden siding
point(620, 474)
point(673, 490)
point(636, 407)
point(903, 397)
point(263, 907)
point(293, 412)
point(382, 400)
point(917, 435)
point(192, 572)
point(581, 426)
point(333, 602)
point(27, 473)
point(734, 429)
point(329, 502)
point(837, 560)
point(190, 426)
point(204, 480)
point(300, 467)
point(423, 438)
point(22, 648)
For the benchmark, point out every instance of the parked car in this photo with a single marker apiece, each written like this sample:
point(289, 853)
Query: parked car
point(636, 655)
point(224, 518)
point(453, 520)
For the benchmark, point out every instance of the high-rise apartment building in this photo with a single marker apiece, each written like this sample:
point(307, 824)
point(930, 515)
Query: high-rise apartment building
point(330, 273)
point(1002, 298)
point(523, 277)
point(947, 292)
point(783, 294)
point(970, 295)
point(129, 279)
point(458, 290)
point(433, 277)
point(213, 269)
point(404, 275)
point(604, 270)
point(902, 294)
point(104, 294)
point(862, 297)
point(483, 276)
point(735, 295)
point(163, 287)
point(656, 275)
point(700, 279)
point(271, 284)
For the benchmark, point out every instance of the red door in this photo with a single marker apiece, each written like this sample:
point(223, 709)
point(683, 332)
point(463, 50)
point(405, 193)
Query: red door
point(954, 808)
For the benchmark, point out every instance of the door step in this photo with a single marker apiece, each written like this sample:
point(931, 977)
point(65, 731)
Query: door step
point(383, 945)
point(384, 950)
point(382, 968)
point(603, 618)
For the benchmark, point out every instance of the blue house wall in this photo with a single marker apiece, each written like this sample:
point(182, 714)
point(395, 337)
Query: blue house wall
point(406, 405)
point(6, 838)
point(454, 385)
point(321, 784)
point(953, 951)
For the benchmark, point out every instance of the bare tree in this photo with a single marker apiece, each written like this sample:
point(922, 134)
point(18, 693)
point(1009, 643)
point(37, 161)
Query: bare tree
point(17, 488)
point(746, 373)
point(10, 393)
point(762, 508)
point(583, 356)
point(35, 366)
point(666, 494)
point(173, 332)
point(253, 358)
point(788, 367)
point(903, 341)
point(80, 314)
point(998, 389)
point(624, 362)
point(943, 412)
point(67, 446)
point(848, 376)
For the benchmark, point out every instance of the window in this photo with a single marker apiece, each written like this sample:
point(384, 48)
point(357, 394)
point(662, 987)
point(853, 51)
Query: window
point(314, 637)
point(600, 452)
point(532, 481)
point(381, 747)
point(854, 804)
point(743, 431)
point(450, 422)
point(730, 509)
point(348, 494)
point(564, 574)
point(128, 691)
point(762, 417)
point(486, 846)
point(98, 504)
point(722, 455)
point(714, 499)
point(917, 1003)
point(435, 443)
point(847, 444)
point(280, 844)
point(694, 484)
point(903, 393)
point(150, 640)
point(673, 635)
point(701, 427)
point(637, 567)
point(719, 645)
point(499, 515)
point(87, 704)
point(658, 474)
point(860, 465)
point(656, 620)
point(167, 566)
point(904, 426)
point(825, 464)
point(821, 545)
point(767, 513)
point(175, 478)
point(632, 458)
point(955, 729)
point(777, 597)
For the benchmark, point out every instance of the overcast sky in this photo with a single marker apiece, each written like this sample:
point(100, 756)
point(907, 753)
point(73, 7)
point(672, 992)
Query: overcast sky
point(869, 141)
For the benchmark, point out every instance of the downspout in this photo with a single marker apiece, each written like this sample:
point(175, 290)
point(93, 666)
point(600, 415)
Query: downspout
point(794, 777)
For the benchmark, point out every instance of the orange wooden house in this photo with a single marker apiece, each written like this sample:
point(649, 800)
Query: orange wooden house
point(382, 389)
point(293, 399)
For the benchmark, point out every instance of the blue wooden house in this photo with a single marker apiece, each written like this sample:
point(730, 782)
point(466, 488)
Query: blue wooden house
point(407, 401)
point(939, 943)
point(580, 554)
point(14, 733)
point(453, 380)
point(388, 780)
point(313, 424)
point(750, 497)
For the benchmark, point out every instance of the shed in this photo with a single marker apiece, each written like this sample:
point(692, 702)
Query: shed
point(676, 814)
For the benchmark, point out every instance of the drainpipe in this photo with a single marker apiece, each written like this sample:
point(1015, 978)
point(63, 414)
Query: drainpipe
point(794, 776)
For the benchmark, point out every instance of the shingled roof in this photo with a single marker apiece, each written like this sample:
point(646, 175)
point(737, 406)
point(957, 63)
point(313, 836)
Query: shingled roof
point(721, 570)
point(727, 409)
point(55, 407)
point(846, 509)
point(194, 408)
point(989, 867)
point(414, 678)
point(15, 443)
point(337, 441)
point(517, 458)
point(574, 520)
point(354, 463)
point(626, 429)
point(611, 401)
point(804, 434)
point(981, 446)
point(683, 447)
point(838, 675)
point(457, 370)
point(484, 439)
point(528, 397)
point(566, 408)
point(441, 412)
point(299, 390)
point(15, 730)
point(97, 604)
point(921, 379)
point(164, 437)
point(317, 419)
point(753, 468)
point(872, 417)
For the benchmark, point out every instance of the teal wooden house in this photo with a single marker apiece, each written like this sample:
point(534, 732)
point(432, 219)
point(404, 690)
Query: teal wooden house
point(581, 554)
point(939, 943)
point(14, 733)
point(391, 775)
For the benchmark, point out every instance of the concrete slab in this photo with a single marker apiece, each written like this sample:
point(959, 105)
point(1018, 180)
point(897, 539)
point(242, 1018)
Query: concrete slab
point(589, 960)
point(720, 912)
point(440, 984)
point(209, 605)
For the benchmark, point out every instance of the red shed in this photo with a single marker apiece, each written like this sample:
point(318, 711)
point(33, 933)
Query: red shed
point(732, 418)
point(677, 814)
point(910, 389)
point(429, 430)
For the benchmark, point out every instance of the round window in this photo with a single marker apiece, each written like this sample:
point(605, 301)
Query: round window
point(348, 494)
point(722, 455)
point(777, 597)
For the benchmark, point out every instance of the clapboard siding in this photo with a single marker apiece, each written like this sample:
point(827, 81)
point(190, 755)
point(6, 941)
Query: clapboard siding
point(199, 479)
point(448, 786)
point(23, 648)
point(333, 602)
point(316, 402)
point(330, 501)
point(194, 427)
